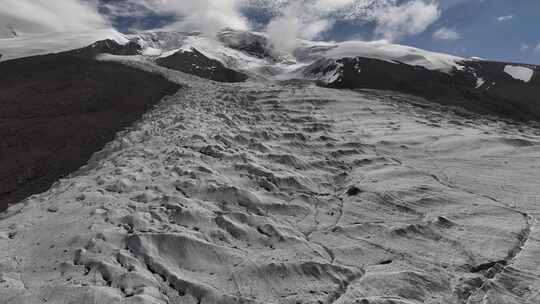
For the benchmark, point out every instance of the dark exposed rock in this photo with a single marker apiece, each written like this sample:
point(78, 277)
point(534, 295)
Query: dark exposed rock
point(57, 110)
point(353, 191)
point(500, 94)
point(489, 268)
point(107, 47)
point(194, 62)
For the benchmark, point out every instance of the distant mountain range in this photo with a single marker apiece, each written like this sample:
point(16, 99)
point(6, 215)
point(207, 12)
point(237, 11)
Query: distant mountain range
point(505, 89)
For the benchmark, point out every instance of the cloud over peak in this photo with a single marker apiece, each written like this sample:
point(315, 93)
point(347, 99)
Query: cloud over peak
point(36, 16)
point(397, 21)
point(207, 16)
point(310, 19)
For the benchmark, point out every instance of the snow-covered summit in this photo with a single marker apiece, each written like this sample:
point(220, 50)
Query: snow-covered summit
point(383, 50)
point(253, 53)
point(40, 44)
point(162, 44)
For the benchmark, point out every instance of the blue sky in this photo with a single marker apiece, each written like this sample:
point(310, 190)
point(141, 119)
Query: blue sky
point(505, 30)
point(501, 30)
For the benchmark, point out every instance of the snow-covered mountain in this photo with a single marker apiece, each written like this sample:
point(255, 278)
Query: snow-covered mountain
point(39, 44)
point(253, 53)
point(465, 82)
point(312, 178)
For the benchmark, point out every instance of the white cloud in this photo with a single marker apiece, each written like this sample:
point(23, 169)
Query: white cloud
point(505, 18)
point(446, 34)
point(126, 8)
point(37, 16)
point(394, 19)
point(527, 47)
point(395, 22)
point(285, 29)
point(207, 16)
point(333, 4)
point(309, 19)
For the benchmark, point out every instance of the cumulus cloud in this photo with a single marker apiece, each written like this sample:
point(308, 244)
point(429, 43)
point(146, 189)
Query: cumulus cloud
point(505, 18)
point(309, 19)
point(446, 34)
point(125, 8)
point(397, 21)
point(37, 16)
point(525, 47)
point(394, 19)
point(293, 20)
point(207, 16)
point(285, 29)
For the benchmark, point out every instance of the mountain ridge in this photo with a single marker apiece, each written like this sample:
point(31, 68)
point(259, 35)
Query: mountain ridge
point(508, 90)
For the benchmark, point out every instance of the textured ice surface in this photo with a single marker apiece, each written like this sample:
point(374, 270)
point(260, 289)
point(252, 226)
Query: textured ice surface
point(286, 193)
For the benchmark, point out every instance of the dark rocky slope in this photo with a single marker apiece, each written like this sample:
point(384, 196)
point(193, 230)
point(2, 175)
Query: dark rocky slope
point(107, 46)
point(500, 94)
point(57, 110)
point(191, 62)
point(195, 63)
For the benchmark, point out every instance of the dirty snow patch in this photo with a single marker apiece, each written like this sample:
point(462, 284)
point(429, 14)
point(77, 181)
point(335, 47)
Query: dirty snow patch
point(519, 72)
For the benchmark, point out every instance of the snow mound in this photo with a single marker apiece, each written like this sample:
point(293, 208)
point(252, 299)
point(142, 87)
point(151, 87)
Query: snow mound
point(40, 44)
point(383, 50)
point(165, 44)
point(519, 72)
